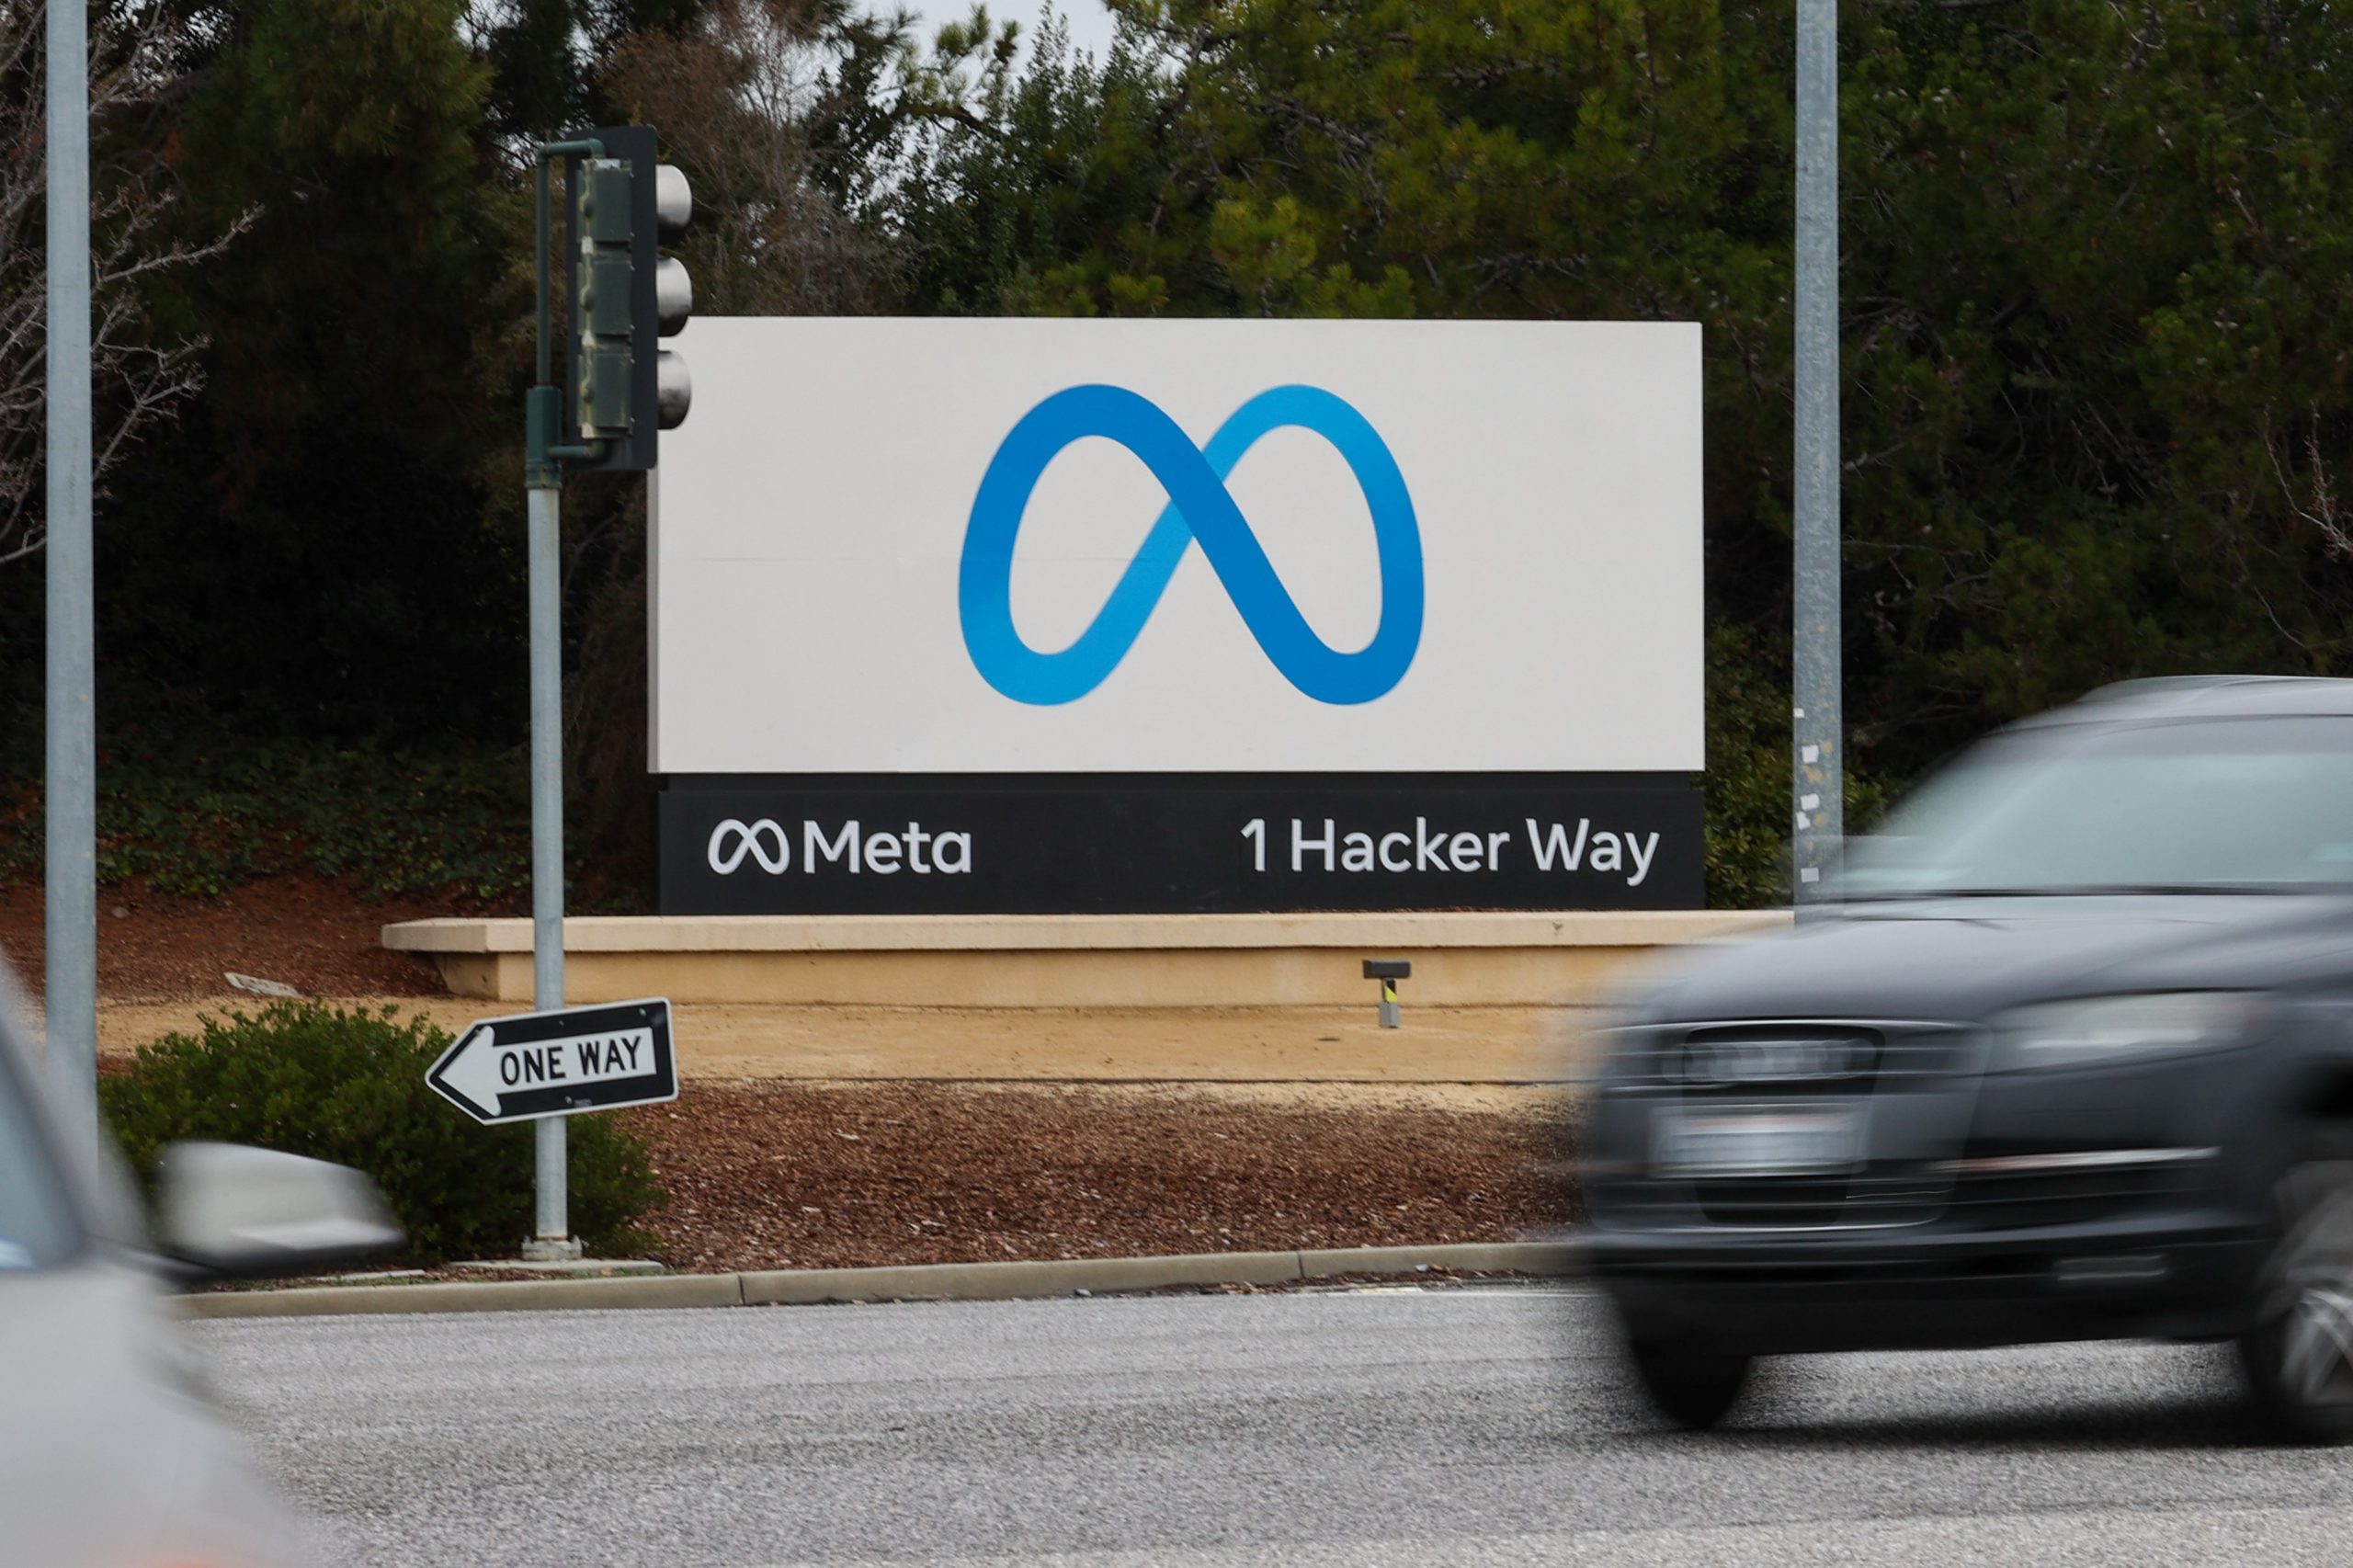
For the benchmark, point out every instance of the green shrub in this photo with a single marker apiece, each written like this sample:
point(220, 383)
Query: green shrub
point(350, 1086)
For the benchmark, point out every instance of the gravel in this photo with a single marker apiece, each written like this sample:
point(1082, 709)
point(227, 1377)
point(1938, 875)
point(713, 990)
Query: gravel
point(763, 1175)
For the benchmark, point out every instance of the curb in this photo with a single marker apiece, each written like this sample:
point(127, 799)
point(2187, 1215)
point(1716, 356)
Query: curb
point(915, 1282)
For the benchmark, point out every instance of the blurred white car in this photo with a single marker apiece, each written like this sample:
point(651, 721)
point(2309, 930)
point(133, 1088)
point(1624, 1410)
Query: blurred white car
point(112, 1453)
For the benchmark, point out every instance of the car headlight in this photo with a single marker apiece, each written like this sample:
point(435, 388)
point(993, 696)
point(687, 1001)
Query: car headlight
point(2124, 1029)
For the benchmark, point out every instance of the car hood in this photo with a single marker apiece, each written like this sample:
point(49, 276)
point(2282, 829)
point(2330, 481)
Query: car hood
point(110, 1453)
point(1965, 959)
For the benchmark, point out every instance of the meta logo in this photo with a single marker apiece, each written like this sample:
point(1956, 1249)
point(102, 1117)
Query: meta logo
point(851, 848)
point(1201, 510)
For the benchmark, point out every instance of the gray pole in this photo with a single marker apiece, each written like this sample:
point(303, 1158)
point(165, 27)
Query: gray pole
point(553, 1241)
point(70, 798)
point(1819, 762)
point(542, 479)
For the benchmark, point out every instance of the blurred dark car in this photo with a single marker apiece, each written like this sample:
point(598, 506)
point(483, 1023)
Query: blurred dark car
point(2070, 1056)
point(112, 1453)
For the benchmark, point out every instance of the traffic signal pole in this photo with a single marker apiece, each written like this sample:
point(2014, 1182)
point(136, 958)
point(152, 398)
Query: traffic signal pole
point(552, 1241)
point(625, 296)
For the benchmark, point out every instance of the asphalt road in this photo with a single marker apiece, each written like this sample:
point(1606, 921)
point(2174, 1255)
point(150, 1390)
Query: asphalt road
point(1454, 1427)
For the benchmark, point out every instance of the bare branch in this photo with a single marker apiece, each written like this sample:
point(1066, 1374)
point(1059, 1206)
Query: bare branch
point(136, 383)
point(2314, 502)
point(738, 98)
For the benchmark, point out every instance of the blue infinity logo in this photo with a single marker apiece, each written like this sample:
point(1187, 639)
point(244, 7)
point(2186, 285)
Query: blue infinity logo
point(1199, 508)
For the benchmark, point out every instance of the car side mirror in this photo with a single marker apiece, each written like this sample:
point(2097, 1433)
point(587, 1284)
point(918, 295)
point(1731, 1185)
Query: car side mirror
point(231, 1210)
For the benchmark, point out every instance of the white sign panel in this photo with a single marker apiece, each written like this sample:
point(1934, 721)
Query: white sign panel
point(531, 1066)
point(959, 546)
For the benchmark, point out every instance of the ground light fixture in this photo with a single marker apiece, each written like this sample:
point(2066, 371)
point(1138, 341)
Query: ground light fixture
point(1389, 971)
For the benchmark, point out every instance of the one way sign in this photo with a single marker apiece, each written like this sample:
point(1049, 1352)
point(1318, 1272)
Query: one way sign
point(537, 1064)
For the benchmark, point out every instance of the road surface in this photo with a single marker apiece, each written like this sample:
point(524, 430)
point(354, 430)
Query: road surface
point(1463, 1425)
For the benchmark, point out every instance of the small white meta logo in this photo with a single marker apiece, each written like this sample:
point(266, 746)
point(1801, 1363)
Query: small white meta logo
point(750, 839)
point(734, 841)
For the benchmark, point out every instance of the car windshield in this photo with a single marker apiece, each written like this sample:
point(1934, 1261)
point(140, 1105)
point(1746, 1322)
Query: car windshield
point(37, 1225)
point(2186, 806)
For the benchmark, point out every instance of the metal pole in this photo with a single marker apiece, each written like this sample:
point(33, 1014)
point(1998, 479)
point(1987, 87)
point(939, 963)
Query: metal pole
point(1819, 762)
point(542, 477)
point(553, 1239)
point(70, 799)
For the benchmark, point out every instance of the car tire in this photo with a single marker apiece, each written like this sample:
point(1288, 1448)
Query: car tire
point(1692, 1387)
point(2298, 1357)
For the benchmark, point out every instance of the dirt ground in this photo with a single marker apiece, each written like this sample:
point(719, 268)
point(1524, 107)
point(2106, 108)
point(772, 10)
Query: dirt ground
point(1296, 1045)
point(1269, 1046)
point(300, 930)
point(768, 1175)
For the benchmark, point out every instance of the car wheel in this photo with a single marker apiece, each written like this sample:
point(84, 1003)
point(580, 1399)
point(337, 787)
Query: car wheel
point(1692, 1387)
point(2298, 1355)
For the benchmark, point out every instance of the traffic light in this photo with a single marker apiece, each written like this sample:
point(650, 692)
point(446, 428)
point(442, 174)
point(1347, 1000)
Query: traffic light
point(626, 296)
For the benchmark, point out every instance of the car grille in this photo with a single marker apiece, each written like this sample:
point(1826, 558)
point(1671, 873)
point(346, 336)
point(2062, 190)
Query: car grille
point(1886, 1196)
point(1932, 1067)
point(1867, 1198)
point(2016, 1199)
point(1882, 1056)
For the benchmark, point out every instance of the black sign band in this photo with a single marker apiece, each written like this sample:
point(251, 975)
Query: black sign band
point(1124, 844)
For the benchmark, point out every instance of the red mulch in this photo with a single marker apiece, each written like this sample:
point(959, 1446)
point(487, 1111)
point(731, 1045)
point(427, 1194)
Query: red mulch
point(778, 1175)
point(299, 929)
